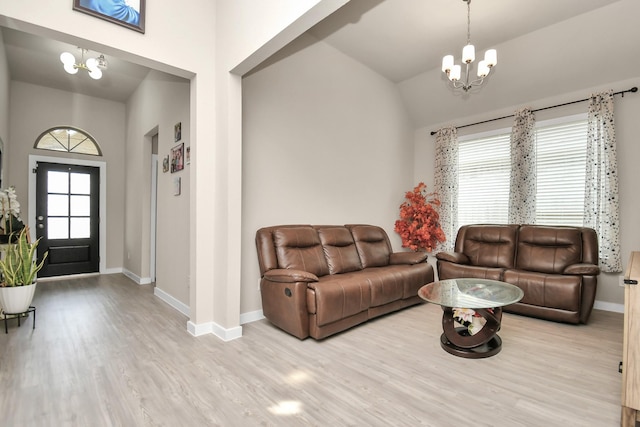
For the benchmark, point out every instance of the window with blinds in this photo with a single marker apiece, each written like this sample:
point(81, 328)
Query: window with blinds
point(560, 161)
point(483, 174)
point(483, 180)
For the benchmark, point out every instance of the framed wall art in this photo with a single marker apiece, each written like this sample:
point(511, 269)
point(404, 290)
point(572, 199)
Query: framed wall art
point(177, 158)
point(128, 13)
point(177, 131)
point(165, 164)
point(188, 154)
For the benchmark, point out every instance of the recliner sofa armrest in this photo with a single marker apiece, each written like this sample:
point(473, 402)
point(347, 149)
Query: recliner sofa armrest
point(407, 258)
point(582, 269)
point(285, 275)
point(455, 257)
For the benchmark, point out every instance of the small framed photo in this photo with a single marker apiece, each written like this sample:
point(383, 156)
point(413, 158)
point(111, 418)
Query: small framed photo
point(177, 131)
point(127, 13)
point(165, 164)
point(177, 158)
point(188, 154)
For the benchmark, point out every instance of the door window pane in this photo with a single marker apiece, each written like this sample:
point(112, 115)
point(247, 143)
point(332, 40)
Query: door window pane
point(80, 228)
point(80, 183)
point(57, 182)
point(58, 205)
point(80, 205)
point(58, 228)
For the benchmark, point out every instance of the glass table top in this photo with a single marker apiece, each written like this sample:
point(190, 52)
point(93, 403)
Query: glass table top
point(471, 293)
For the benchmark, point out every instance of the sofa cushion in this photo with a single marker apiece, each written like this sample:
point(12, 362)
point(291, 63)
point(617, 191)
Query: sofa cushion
point(488, 245)
point(448, 270)
point(299, 248)
point(547, 290)
point(336, 297)
point(339, 249)
point(372, 244)
point(548, 249)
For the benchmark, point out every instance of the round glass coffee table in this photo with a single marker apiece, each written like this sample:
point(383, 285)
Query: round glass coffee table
point(486, 298)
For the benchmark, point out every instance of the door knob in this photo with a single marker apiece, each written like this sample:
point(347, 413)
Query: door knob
point(40, 217)
point(40, 226)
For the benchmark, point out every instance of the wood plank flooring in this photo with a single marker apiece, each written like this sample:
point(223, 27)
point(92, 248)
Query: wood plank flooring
point(107, 352)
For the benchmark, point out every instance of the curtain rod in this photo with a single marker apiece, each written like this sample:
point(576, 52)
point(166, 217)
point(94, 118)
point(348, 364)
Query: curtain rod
point(622, 92)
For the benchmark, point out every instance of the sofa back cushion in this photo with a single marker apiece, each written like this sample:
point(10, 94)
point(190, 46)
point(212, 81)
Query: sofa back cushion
point(339, 249)
point(548, 249)
point(299, 248)
point(373, 245)
point(488, 245)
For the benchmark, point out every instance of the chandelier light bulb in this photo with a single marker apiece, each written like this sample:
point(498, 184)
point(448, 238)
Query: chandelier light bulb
point(447, 63)
point(455, 73)
point(491, 57)
point(69, 62)
point(95, 74)
point(483, 68)
point(468, 54)
point(70, 68)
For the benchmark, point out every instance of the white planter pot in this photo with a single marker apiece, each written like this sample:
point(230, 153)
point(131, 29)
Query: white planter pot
point(16, 299)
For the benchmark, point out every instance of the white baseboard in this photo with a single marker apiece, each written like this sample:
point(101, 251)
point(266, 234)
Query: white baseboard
point(173, 302)
point(111, 270)
point(139, 280)
point(251, 316)
point(608, 306)
point(213, 328)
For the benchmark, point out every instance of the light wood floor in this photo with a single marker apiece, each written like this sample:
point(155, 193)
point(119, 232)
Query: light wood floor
point(107, 352)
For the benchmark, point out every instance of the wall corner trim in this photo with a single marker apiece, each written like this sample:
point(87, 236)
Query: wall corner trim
point(225, 334)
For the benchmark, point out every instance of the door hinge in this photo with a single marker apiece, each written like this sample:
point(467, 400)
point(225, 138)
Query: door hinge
point(34, 170)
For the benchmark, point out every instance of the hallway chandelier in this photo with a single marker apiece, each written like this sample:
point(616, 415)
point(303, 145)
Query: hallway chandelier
point(453, 71)
point(93, 66)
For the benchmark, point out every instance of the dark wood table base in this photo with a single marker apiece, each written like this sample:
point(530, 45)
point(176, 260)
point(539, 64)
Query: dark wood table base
point(459, 342)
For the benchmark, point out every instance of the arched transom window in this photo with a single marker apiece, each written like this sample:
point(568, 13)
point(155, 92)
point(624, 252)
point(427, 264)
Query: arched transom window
point(68, 139)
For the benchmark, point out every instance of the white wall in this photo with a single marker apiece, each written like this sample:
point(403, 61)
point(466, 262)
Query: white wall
point(35, 109)
point(325, 141)
point(627, 110)
point(157, 105)
point(5, 80)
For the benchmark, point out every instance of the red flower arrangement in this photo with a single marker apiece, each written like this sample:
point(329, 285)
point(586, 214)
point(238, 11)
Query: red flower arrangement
point(419, 225)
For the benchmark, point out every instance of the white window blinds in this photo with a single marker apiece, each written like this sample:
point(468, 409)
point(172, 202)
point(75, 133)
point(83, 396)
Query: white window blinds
point(561, 156)
point(483, 180)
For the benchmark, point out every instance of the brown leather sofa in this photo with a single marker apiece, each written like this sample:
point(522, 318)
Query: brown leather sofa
point(320, 280)
point(556, 267)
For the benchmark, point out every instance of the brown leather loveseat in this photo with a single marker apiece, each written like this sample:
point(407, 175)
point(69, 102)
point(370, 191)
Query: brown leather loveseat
point(556, 267)
point(320, 280)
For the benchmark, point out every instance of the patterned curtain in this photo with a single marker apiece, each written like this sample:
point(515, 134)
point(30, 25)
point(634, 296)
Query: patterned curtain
point(446, 183)
point(601, 207)
point(522, 192)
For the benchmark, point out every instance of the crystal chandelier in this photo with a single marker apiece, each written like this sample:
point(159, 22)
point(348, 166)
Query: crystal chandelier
point(93, 66)
point(453, 71)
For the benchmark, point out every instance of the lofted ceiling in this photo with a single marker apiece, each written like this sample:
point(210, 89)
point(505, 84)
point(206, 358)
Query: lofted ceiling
point(403, 38)
point(545, 47)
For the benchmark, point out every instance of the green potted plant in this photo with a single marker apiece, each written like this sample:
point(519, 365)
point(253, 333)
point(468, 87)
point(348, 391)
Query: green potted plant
point(18, 270)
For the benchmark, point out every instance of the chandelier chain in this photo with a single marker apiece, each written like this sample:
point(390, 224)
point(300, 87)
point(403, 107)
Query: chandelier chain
point(468, 21)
